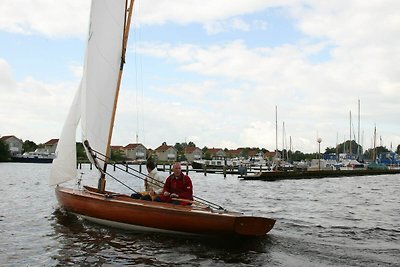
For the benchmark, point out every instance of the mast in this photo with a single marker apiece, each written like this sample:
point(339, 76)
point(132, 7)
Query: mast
point(283, 140)
point(374, 151)
point(276, 131)
point(127, 24)
point(358, 137)
point(350, 136)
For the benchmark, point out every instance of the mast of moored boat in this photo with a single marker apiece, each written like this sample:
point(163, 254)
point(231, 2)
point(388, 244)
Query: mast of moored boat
point(127, 23)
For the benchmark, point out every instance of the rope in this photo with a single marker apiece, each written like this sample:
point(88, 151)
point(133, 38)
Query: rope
point(151, 181)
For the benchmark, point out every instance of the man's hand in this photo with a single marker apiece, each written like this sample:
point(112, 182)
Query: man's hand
point(174, 195)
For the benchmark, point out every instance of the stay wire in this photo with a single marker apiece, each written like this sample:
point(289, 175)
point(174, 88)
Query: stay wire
point(199, 199)
point(152, 180)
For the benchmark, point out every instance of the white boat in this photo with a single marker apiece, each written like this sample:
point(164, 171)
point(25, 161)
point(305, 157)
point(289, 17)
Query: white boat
point(34, 157)
point(219, 163)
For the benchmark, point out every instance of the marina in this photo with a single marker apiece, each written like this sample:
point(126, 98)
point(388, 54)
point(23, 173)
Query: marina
point(320, 222)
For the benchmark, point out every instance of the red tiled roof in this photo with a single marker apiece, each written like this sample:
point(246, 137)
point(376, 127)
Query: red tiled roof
point(252, 153)
point(269, 154)
point(117, 148)
point(132, 146)
point(191, 149)
point(213, 150)
point(233, 152)
point(163, 148)
point(51, 142)
point(6, 137)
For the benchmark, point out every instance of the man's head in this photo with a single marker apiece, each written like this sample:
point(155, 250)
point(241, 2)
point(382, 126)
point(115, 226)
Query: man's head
point(177, 169)
point(150, 165)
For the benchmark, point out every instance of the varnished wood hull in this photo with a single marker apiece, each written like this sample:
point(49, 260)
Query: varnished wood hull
point(125, 212)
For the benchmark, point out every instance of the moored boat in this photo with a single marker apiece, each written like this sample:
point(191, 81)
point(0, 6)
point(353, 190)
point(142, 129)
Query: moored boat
point(34, 157)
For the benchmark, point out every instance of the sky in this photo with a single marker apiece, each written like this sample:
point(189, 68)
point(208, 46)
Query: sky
point(214, 72)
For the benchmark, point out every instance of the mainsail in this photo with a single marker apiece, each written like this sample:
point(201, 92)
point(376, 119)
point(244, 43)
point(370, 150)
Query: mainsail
point(94, 101)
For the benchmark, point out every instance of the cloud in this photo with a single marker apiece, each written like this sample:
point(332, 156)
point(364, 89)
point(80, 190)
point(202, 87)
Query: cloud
point(347, 51)
point(31, 108)
point(7, 82)
point(70, 18)
point(45, 17)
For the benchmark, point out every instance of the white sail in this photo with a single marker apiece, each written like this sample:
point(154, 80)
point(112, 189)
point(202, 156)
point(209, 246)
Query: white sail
point(63, 167)
point(98, 87)
point(102, 66)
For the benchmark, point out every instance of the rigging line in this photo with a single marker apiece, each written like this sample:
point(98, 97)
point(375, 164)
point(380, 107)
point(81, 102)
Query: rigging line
point(152, 180)
point(119, 181)
point(136, 79)
point(127, 166)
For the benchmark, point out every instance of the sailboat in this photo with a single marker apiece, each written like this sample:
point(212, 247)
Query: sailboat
point(93, 108)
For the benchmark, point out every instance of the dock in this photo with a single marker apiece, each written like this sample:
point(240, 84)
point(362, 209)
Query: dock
point(281, 175)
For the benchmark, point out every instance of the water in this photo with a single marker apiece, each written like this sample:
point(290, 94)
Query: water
point(350, 221)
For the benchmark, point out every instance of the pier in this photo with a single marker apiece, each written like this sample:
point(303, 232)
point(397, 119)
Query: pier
point(281, 175)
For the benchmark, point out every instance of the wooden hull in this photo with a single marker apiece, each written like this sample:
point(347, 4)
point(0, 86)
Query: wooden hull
point(124, 212)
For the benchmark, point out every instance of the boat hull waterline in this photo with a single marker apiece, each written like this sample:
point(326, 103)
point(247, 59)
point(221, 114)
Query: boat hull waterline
point(121, 211)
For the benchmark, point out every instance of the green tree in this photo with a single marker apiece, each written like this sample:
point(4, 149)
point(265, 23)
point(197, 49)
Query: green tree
point(118, 156)
point(330, 150)
point(345, 147)
point(179, 147)
point(191, 144)
point(29, 146)
point(80, 152)
point(371, 154)
point(207, 156)
point(4, 151)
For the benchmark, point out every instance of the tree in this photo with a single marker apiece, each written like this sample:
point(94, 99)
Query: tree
point(207, 155)
point(345, 146)
point(191, 144)
point(179, 147)
point(330, 150)
point(29, 146)
point(370, 154)
point(118, 156)
point(4, 151)
point(80, 152)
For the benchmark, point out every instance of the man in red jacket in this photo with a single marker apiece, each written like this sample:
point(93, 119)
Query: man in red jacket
point(178, 186)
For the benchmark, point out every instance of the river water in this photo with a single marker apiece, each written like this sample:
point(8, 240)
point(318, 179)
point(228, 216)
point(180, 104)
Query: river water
point(349, 221)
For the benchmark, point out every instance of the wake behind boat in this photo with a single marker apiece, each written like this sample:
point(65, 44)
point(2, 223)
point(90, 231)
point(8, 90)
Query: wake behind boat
point(94, 107)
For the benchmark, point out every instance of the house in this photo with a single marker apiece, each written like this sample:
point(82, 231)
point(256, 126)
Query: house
point(14, 144)
point(166, 153)
point(193, 153)
point(215, 153)
point(135, 152)
point(50, 146)
point(271, 155)
point(233, 153)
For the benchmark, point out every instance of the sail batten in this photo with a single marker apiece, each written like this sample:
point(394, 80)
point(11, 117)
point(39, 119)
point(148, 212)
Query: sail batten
point(98, 90)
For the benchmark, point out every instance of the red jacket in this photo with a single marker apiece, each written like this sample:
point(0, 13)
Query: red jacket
point(181, 186)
